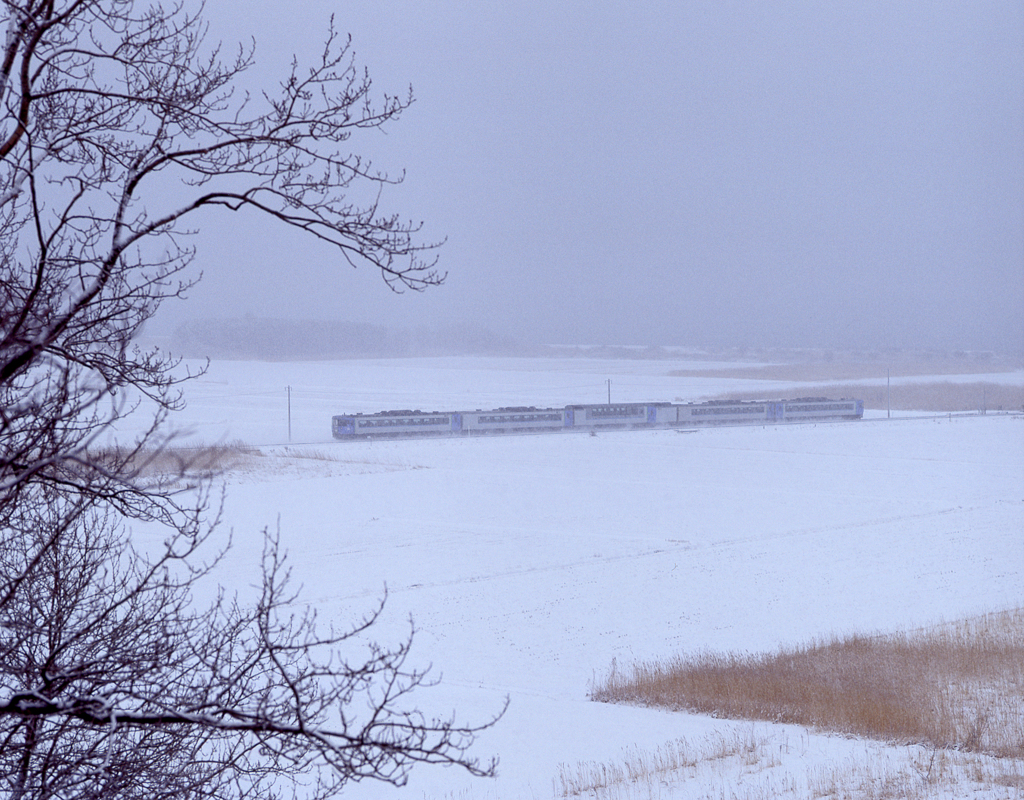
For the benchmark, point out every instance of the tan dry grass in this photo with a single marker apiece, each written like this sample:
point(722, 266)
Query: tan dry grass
point(888, 387)
point(178, 467)
point(206, 460)
point(960, 686)
point(923, 775)
point(763, 764)
point(940, 396)
point(824, 371)
point(596, 779)
point(202, 460)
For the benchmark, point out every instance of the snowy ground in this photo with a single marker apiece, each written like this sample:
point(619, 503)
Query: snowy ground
point(530, 563)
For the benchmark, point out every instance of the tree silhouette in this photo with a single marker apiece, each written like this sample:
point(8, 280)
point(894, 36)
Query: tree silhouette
point(119, 125)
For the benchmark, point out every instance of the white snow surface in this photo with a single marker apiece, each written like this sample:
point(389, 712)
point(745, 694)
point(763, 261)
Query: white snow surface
point(529, 563)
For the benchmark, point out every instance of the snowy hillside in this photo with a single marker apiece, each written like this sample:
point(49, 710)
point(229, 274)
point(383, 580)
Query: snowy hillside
point(529, 564)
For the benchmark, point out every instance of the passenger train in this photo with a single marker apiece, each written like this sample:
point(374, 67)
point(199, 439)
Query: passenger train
point(619, 416)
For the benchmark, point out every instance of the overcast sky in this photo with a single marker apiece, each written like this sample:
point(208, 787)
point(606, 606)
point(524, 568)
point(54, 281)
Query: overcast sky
point(671, 172)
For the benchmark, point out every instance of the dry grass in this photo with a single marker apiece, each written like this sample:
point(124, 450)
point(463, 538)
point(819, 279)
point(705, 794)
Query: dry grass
point(178, 467)
point(825, 370)
point(957, 687)
point(952, 694)
point(925, 774)
point(767, 764)
point(941, 396)
point(177, 463)
point(640, 767)
point(207, 459)
point(824, 377)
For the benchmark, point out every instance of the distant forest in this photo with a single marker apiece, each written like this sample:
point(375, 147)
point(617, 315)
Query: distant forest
point(252, 338)
point(259, 339)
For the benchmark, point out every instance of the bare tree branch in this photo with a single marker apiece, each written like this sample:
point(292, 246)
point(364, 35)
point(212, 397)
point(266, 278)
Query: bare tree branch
point(114, 680)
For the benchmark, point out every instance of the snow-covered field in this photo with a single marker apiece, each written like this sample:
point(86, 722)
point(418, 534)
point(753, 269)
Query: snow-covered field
point(528, 564)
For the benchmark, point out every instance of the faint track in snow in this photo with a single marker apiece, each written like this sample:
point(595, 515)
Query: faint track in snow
point(601, 562)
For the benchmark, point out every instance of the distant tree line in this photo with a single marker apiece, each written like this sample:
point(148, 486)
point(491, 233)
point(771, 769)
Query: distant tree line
point(268, 339)
point(282, 339)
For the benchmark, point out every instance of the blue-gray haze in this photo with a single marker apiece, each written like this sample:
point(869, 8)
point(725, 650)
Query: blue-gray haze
point(709, 172)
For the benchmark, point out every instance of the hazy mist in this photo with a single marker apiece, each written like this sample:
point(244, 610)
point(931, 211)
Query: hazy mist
point(841, 174)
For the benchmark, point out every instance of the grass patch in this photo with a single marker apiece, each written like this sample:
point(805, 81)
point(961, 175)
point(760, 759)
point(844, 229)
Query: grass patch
point(825, 377)
point(779, 764)
point(178, 467)
point(825, 370)
point(957, 687)
point(642, 767)
point(941, 396)
point(194, 461)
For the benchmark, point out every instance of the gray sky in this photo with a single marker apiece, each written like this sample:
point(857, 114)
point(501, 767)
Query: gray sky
point(671, 172)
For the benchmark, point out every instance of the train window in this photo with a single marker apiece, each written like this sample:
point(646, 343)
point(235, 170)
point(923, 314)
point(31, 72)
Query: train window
point(608, 412)
point(704, 410)
point(821, 407)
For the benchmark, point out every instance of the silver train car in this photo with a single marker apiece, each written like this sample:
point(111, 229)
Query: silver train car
point(621, 416)
point(804, 409)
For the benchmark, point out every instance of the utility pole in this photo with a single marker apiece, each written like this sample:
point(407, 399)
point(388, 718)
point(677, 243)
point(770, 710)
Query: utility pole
point(888, 405)
point(289, 413)
point(609, 391)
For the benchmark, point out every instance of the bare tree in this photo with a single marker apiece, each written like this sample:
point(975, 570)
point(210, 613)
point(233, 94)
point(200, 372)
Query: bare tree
point(128, 690)
point(118, 126)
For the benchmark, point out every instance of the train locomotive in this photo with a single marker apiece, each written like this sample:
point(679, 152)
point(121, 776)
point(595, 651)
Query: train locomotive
point(581, 418)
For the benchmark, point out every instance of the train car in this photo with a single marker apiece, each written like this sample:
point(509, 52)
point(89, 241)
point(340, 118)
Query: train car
point(519, 419)
point(620, 416)
point(728, 413)
point(607, 416)
point(664, 415)
point(396, 424)
point(805, 409)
